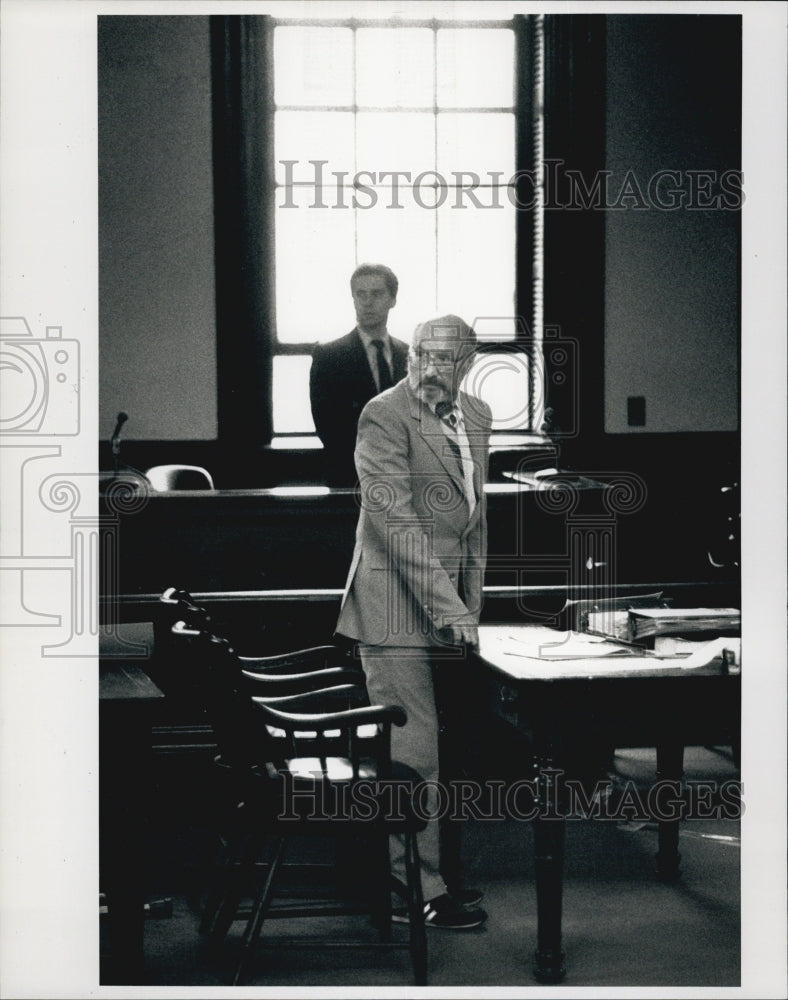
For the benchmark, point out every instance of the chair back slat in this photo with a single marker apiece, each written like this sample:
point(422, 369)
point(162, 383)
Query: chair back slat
point(277, 723)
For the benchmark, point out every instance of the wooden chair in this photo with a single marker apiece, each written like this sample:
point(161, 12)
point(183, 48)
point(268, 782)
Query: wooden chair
point(179, 477)
point(277, 676)
point(186, 728)
point(330, 663)
point(312, 764)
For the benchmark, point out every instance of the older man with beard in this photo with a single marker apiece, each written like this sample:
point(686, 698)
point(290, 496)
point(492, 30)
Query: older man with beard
point(414, 590)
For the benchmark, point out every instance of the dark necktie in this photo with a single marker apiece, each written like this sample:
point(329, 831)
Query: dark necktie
point(384, 372)
point(445, 411)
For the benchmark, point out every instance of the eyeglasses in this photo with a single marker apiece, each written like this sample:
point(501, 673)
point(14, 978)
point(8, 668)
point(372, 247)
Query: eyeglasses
point(439, 358)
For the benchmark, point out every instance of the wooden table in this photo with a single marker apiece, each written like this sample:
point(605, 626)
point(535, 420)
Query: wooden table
point(631, 701)
point(127, 698)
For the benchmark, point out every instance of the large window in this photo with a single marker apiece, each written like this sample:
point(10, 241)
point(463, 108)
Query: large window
point(397, 144)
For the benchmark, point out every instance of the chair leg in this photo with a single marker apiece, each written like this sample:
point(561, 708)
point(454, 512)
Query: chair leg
point(240, 873)
point(217, 884)
point(380, 880)
point(255, 923)
point(418, 934)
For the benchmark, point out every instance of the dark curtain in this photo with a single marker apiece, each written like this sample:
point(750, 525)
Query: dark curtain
point(242, 70)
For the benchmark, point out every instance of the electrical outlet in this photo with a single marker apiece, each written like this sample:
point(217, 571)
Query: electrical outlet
point(636, 411)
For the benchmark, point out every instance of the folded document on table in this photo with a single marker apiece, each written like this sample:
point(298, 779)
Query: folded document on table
point(547, 644)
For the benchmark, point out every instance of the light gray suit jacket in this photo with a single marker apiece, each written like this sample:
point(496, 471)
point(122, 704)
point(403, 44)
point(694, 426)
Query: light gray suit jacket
point(416, 543)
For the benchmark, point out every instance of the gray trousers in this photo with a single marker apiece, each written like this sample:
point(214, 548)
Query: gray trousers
point(402, 675)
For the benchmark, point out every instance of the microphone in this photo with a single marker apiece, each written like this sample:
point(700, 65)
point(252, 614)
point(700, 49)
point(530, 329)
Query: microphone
point(115, 441)
point(135, 474)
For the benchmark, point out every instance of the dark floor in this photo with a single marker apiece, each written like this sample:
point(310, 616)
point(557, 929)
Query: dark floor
point(621, 926)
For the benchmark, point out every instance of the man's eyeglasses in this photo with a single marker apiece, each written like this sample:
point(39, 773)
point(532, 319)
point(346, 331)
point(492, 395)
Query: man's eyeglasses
point(439, 358)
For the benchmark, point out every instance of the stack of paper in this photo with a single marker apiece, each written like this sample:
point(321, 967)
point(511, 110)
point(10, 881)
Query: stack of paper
point(647, 622)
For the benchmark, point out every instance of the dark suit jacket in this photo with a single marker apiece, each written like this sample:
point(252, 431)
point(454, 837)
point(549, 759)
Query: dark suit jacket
point(341, 383)
point(416, 542)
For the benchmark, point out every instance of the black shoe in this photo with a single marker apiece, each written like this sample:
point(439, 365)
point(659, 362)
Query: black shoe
point(467, 897)
point(445, 913)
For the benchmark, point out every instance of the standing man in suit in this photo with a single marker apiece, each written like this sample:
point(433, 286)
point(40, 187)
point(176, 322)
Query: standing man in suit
point(346, 373)
point(414, 590)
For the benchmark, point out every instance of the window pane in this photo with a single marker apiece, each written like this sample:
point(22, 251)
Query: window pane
point(394, 67)
point(501, 380)
point(404, 239)
point(313, 135)
point(447, 258)
point(313, 66)
point(292, 411)
point(478, 143)
point(475, 68)
point(314, 260)
point(476, 264)
point(396, 141)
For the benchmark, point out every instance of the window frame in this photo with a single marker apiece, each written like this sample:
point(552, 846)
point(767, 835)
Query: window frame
point(244, 189)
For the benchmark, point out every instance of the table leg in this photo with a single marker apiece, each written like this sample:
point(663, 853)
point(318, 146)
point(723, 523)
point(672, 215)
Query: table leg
point(670, 767)
point(549, 834)
point(125, 926)
point(123, 779)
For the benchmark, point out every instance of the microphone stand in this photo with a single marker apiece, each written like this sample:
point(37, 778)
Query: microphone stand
point(115, 443)
point(115, 446)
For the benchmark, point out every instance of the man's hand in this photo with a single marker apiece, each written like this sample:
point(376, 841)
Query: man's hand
point(465, 635)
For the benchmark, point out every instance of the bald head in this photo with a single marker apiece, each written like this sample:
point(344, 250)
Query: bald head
point(448, 329)
point(439, 356)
